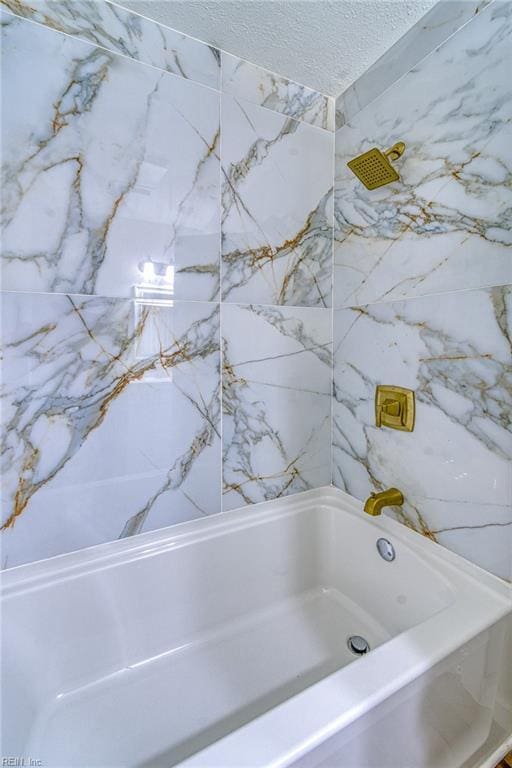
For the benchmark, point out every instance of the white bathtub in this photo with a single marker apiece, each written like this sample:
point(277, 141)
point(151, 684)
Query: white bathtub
point(223, 642)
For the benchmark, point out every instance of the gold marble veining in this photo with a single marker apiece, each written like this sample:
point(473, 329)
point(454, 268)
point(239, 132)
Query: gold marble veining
point(102, 354)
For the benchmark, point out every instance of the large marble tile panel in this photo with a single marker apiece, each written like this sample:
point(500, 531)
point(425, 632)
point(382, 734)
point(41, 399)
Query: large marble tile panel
point(110, 416)
point(446, 225)
point(482, 533)
point(454, 351)
point(276, 401)
point(431, 31)
point(121, 31)
point(111, 171)
point(247, 81)
point(276, 208)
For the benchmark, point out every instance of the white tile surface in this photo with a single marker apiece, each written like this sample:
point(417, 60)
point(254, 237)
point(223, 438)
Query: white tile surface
point(432, 30)
point(453, 350)
point(120, 31)
point(245, 80)
point(276, 208)
point(109, 164)
point(85, 382)
point(446, 224)
point(276, 401)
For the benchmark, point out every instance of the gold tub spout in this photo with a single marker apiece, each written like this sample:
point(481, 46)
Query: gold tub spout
point(377, 501)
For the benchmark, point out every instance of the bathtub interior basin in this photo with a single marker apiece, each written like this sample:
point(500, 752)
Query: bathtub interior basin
point(192, 643)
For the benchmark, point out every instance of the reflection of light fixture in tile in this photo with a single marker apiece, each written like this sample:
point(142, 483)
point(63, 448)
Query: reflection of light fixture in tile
point(157, 273)
point(153, 296)
point(157, 277)
point(169, 276)
point(148, 272)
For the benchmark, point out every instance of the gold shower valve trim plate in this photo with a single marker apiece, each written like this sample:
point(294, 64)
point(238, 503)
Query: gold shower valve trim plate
point(373, 168)
point(395, 407)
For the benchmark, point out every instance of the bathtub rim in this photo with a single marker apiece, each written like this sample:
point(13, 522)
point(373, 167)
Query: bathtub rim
point(41, 573)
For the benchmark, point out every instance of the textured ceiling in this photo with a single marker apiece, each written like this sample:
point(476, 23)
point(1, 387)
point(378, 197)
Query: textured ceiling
point(325, 44)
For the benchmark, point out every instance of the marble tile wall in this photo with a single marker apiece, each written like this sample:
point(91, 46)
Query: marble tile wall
point(242, 79)
point(276, 208)
point(277, 401)
point(446, 224)
point(166, 279)
point(109, 26)
point(168, 286)
point(85, 208)
point(422, 278)
point(444, 19)
point(86, 380)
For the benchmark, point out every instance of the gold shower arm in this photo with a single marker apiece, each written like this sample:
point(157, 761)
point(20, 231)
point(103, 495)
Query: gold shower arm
point(395, 151)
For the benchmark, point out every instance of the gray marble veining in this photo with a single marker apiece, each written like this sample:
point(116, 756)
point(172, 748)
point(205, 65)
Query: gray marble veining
point(455, 352)
point(431, 31)
point(114, 187)
point(245, 80)
point(446, 225)
point(276, 208)
point(90, 210)
point(85, 380)
point(120, 31)
point(276, 401)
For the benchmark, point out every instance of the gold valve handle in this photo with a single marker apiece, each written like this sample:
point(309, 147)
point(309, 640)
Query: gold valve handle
point(394, 407)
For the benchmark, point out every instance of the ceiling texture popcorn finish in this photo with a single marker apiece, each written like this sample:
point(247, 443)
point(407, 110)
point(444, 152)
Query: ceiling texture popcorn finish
point(286, 37)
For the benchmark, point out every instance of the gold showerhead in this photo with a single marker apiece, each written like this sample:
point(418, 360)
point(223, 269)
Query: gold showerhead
point(373, 167)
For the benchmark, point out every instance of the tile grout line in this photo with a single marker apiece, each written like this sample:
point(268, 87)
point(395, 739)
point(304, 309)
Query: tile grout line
point(221, 50)
point(277, 112)
point(104, 296)
point(305, 307)
point(352, 86)
point(123, 56)
point(401, 300)
point(221, 345)
point(332, 305)
point(277, 74)
point(174, 300)
point(161, 24)
point(182, 78)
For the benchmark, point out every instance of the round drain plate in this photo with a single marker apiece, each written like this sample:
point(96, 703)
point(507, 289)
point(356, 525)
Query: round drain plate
point(358, 645)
